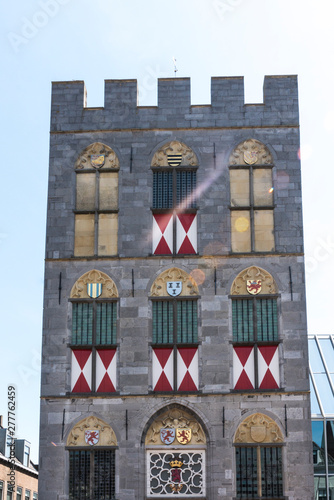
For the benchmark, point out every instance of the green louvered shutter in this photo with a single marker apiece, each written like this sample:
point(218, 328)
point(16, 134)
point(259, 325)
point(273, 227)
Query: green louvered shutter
point(242, 320)
point(162, 322)
point(82, 323)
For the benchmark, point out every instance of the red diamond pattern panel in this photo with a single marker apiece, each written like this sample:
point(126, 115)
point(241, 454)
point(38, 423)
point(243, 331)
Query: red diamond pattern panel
point(81, 373)
point(187, 369)
point(243, 368)
point(106, 370)
point(162, 234)
point(186, 233)
point(268, 365)
point(162, 369)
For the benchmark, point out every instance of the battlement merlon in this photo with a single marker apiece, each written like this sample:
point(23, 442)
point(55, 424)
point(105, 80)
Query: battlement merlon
point(69, 111)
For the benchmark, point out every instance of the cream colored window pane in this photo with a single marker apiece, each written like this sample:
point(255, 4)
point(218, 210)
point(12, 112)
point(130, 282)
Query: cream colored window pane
point(85, 192)
point(108, 229)
point(109, 191)
point(263, 184)
point(239, 182)
point(241, 232)
point(264, 230)
point(84, 235)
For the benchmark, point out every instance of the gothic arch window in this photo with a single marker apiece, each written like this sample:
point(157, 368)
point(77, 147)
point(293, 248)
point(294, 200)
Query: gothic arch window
point(91, 445)
point(255, 331)
point(258, 446)
point(252, 202)
point(174, 296)
point(96, 208)
point(174, 207)
point(176, 455)
point(93, 344)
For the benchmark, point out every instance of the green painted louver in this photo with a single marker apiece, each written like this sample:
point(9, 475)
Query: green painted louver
point(267, 329)
point(242, 320)
point(163, 322)
point(186, 321)
point(106, 323)
point(82, 323)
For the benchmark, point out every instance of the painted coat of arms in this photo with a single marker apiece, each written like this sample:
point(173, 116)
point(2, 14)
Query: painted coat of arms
point(167, 436)
point(183, 435)
point(174, 288)
point(92, 437)
point(94, 290)
point(250, 157)
point(254, 286)
point(97, 161)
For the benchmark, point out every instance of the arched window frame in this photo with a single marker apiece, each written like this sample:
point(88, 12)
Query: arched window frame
point(94, 299)
point(96, 205)
point(259, 447)
point(91, 446)
point(175, 444)
point(174, 207)
point(255, 331)
point(251, 198)
point(175, 342)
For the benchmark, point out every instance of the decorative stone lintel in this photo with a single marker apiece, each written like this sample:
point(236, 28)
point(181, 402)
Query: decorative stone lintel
point(79, 290)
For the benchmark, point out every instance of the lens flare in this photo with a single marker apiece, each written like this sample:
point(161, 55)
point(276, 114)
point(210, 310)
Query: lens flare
point(198, 276)
point(241, 224)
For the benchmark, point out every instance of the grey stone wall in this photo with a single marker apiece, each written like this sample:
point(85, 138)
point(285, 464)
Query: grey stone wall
point(122, 125)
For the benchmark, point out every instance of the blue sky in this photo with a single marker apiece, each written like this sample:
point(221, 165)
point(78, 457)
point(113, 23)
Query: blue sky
point(50, 40)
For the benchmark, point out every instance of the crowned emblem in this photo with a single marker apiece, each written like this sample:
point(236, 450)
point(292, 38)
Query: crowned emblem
point(175, 478)
point(94, 290)
point(253, 286)
point(174, 288)
point(97, 161)
point(167, 436)
point(250, 157)
point(92, 437)
point(174, 160)
point(183, 436)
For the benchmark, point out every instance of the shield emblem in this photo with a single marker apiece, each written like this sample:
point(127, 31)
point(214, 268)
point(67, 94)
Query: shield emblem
point(174, 288)
point(183, 436)
point(250, 157)
point(258, 433)
point(174, 160)
point(94, 290)
point(97, 161)
point(254, 286)
point(92, 437)
point(167, 436)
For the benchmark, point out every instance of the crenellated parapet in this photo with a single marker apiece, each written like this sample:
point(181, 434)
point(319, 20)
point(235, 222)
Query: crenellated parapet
point(69, 110)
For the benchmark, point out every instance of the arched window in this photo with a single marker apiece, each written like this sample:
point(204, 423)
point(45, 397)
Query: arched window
point(176, 455)
point(258, 458)
point(96, 208)
point(94, 328)
point(91, 445)
point(174, 297)
point(174, 207)
point(255, 331)
point(252, 202)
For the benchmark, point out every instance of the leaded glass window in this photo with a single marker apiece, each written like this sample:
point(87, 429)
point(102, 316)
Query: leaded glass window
point(92, 475)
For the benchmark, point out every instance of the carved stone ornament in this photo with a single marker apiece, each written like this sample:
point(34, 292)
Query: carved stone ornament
point(94, 150)
point(106, 434)
point(109, 289)
point(160, 159)
point(251, 152)
point(239, 285)
point(258, 428)
point(159, 287)
point(175, 419)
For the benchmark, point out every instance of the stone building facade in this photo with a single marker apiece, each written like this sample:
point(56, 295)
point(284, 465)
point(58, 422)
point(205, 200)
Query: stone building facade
point(174, 344)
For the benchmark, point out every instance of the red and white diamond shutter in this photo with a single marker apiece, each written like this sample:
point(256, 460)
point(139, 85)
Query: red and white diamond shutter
point(81, 374)
point(268, 367)
point(162, 369)
point(243, 368)
point(106, 370)
point(162, 234)
point(187, 369)
point(186, 233)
